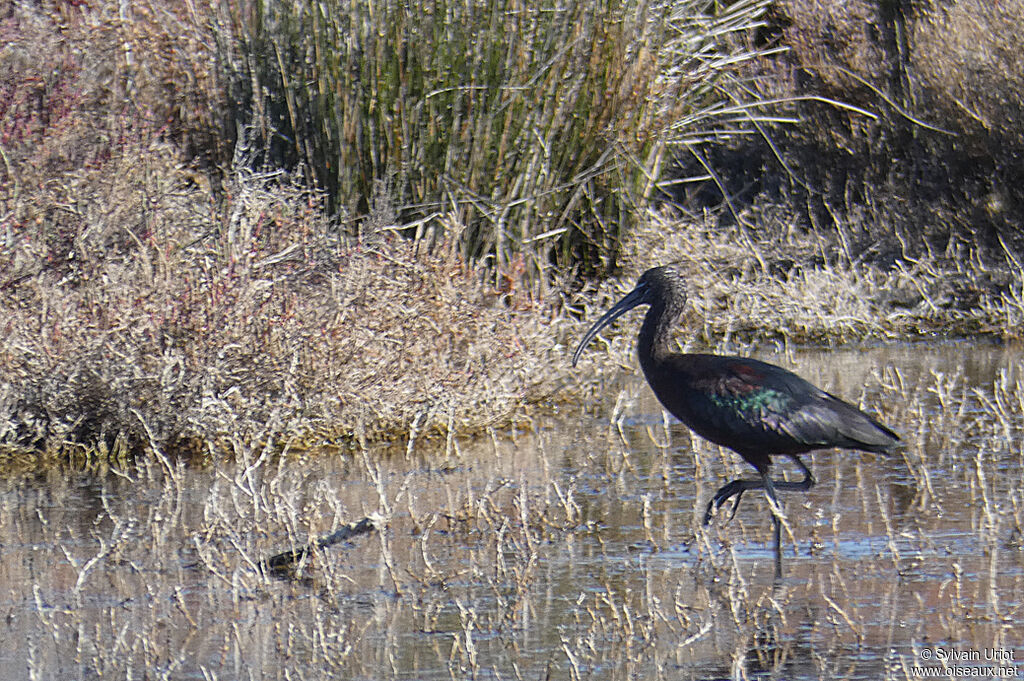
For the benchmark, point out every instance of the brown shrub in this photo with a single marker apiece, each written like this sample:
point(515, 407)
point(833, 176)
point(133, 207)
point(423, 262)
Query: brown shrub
point(77, 81)
point(840, 45)
point(175, 317)
point(968, 61)
point(928, 163)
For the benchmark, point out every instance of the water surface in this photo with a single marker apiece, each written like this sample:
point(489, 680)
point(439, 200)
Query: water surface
point(568, 547)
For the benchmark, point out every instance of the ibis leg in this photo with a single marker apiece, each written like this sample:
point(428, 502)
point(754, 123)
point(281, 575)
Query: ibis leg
point(769, 489)
point(802, 485)
point(736, 488)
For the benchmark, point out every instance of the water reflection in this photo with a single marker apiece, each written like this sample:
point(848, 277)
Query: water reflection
point(571, 550)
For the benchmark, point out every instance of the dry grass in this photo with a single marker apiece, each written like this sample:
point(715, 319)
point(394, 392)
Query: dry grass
point(201, 321)
point(145, 301)
point(779, 284)
point(197, 321)
point(971, 73)
point(139, 301)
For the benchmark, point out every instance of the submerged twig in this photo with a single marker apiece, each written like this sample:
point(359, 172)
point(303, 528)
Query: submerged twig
point(280, 563)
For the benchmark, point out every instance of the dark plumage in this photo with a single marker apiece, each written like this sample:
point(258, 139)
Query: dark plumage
point(756, 409)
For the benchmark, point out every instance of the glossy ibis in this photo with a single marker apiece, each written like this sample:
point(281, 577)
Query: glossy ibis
point(756, 409)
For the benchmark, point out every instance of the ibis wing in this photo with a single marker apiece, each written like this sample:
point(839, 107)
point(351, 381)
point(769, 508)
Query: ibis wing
point(754, 406)
point(815, 418)
point(830, 421)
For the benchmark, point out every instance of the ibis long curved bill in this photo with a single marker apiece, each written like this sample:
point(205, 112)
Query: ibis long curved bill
point(632, 299)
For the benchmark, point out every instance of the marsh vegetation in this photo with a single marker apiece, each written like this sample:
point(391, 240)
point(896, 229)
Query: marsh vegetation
point(200, 234)
point(267, 268)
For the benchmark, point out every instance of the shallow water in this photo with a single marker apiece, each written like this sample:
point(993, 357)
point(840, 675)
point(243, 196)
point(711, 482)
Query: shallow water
point(570, 547)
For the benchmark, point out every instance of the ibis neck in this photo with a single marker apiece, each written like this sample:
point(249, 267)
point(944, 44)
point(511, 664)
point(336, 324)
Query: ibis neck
point(655, 340)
